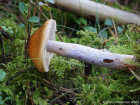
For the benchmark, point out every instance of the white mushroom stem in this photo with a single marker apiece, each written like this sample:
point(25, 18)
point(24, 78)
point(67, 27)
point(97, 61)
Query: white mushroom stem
point(90, 55)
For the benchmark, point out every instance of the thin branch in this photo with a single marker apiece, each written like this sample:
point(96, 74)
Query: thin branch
point(33, 15)
point(29, 92)
point(25, 37)
point(56, 86)
point(64, 25)
point(111, 31)
point(114, 36)
point(119, 5)
point(38, 9)
point(138, 78)
point(59, 36)
point(114, 27)
point(60, 14)
point(18, 75)
point(72, 31)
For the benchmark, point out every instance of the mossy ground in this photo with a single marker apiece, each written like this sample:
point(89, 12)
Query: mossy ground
point(66, 77)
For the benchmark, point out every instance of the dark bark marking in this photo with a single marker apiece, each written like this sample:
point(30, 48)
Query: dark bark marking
point(108, 61)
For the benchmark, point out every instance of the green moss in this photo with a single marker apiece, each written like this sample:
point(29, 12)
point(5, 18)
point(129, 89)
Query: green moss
point(102, 84)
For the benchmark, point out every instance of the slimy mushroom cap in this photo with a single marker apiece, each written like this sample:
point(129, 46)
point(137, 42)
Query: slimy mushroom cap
point(36, 47)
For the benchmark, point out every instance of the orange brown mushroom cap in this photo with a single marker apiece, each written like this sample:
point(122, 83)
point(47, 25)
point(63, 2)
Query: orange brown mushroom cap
point(36, 47)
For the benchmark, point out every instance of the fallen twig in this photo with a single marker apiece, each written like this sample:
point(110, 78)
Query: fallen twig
point(18, 75)
point(29, 92)
point(138, 78)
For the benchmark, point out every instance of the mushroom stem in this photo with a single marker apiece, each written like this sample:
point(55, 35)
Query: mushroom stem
point(90, 55)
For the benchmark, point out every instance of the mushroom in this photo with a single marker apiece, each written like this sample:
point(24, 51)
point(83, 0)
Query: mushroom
point(42, 45)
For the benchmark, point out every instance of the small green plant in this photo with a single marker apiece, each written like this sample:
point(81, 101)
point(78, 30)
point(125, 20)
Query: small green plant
point(2, 74)
point(2, 101)
point(82, 21)
point(9, 29)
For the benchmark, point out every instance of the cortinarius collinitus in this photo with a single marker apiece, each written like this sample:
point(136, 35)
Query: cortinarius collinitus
point(42, 45)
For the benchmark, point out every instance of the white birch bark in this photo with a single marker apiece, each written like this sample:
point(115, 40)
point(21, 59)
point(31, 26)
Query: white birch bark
point(91, 10)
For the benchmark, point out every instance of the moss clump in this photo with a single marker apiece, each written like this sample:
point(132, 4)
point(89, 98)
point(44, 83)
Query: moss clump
point(102, 85)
